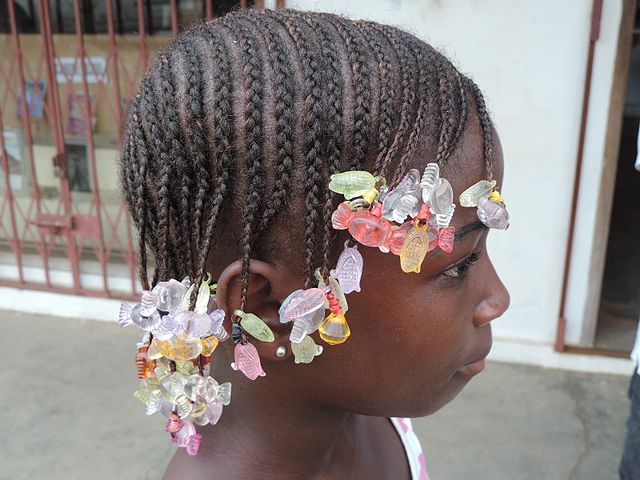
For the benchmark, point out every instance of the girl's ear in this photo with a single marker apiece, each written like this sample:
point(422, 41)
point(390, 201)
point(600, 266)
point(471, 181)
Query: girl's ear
point(269, 286)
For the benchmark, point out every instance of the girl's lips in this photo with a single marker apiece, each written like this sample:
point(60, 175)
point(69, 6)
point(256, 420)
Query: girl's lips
point(473, 369)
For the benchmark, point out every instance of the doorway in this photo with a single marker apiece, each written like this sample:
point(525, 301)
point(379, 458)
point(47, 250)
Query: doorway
point(619, 309)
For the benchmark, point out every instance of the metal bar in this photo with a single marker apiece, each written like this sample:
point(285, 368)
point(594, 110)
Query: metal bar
point(174, 17)
point(144, 49)
point(279, 3)
point(116, 80)
point(26, 125)
point(90, 142)
point(208, 4)
point(15, 242)
point(113, 54)
point(65, 195)
point(596, 16)
point(243, 4)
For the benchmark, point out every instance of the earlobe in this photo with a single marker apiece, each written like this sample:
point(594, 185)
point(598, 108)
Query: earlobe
point(268, 286)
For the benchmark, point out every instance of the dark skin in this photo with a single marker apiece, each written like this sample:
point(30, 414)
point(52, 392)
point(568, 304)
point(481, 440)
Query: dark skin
point(417, 339)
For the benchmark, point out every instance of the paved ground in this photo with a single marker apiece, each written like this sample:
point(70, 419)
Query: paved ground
point(66, 399)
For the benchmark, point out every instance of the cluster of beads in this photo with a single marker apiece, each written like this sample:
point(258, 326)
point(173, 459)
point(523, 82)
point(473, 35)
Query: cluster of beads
point(414, 217)
point(306, 309)
point(173, 358)
point(408, 220)
point(492, 210)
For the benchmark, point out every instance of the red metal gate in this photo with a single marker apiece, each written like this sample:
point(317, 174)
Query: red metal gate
point(66, 72)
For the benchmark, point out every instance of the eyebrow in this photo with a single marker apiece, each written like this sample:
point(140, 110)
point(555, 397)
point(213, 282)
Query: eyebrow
point(469, 228)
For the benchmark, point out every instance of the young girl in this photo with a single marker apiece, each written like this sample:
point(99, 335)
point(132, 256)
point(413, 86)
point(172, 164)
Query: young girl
point(288, 173)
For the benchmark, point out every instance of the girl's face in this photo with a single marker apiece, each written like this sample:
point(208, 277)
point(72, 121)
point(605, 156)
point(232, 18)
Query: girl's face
point(418, 338)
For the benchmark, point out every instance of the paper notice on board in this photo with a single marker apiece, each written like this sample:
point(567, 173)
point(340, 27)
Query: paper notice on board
point(69, 69)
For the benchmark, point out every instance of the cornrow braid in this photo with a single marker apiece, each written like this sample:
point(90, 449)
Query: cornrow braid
point(485, 123)
point(140, 156)
point(424, 77)
point(197, 147)
point(313, 149)
point(165, 256)
point(464, 108)
point(357, 52)
point(253, 89)
point(407, 60)
point(388, 79)
point(220, 132)
point(171, 124)
point(283, 113)
point(333, 146)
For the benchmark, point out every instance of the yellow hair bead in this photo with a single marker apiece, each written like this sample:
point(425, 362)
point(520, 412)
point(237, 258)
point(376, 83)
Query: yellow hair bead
point(371, 195)
point(496, 197)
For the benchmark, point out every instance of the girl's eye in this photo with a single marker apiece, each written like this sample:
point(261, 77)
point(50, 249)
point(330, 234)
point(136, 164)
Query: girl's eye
point(461, 269)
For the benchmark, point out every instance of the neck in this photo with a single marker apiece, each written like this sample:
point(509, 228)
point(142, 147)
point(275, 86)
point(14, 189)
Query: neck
point(266, 423)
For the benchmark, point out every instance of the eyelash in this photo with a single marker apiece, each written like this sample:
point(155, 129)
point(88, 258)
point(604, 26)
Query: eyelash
point(461, 270)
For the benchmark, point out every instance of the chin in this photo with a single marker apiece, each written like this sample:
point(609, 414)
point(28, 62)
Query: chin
point(449, 392)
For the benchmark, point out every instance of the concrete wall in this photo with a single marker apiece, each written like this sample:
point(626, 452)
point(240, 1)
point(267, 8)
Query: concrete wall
point(529, 58)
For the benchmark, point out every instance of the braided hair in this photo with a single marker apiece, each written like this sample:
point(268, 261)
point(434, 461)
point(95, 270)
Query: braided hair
point(241, 121)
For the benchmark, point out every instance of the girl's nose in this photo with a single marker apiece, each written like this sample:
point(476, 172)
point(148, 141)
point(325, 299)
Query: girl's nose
point(493, 305)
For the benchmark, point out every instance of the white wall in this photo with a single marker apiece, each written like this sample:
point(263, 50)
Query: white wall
point(529, 58)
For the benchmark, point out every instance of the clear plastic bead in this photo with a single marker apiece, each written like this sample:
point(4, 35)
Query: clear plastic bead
point(493, 214)
point(481, 189)
point(429, 178)
point(306, 350)
point(170, 295)
point(306, 302)
point(441, 197)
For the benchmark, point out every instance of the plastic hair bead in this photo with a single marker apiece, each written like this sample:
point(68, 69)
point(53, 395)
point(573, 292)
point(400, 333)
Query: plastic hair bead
point(255, 326)
point(334, 329)
point(352, 184)
point(348, 271)
point(415, 249)
point(247, 361)
point(481, 189)
point(306, 350)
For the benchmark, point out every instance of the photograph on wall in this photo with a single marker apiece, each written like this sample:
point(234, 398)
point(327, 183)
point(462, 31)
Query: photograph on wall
point(76, 124)
point(15, 159)
point(34, 93)
point(78, 167)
